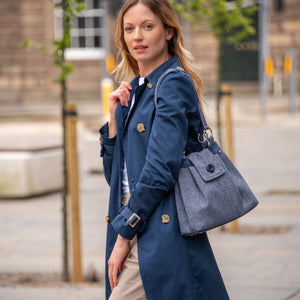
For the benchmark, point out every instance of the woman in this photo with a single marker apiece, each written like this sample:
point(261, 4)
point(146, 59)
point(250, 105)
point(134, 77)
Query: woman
point(142, 148)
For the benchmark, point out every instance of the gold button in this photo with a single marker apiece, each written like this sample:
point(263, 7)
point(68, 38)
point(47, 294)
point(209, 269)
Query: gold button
point(107, 219)
point(149, 85)
point(165, 219)
point(141, 127)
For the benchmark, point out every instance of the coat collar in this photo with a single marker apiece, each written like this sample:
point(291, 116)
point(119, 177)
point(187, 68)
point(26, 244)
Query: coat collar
point(154, 76)
point(151, 79)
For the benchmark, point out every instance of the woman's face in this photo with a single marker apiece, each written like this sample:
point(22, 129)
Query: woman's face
point(146, 38)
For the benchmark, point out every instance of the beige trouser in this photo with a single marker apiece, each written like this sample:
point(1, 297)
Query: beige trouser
point(130, 285)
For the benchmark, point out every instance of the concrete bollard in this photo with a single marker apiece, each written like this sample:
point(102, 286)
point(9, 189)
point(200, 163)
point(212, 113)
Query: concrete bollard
point(107, 88)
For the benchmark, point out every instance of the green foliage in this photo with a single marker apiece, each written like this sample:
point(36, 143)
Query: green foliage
point(59, 60)
point(40, 47)
point(26, 44)
point(71, 9)
point(230, 21)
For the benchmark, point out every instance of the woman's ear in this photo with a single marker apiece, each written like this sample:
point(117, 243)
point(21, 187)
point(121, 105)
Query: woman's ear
point(170, 33)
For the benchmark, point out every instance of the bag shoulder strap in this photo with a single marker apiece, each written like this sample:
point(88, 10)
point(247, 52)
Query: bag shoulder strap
point(202, 118)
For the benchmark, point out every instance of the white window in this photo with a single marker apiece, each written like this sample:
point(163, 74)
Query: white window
point(88, 33)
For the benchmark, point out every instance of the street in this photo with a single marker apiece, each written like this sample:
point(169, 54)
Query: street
point(261, 262)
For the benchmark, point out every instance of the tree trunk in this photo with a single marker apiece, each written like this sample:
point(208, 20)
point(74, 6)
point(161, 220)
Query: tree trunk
point(65, 273)
point(63, 84)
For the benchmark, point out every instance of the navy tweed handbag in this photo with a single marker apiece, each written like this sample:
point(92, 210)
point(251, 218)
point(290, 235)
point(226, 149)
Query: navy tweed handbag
point(210, 191)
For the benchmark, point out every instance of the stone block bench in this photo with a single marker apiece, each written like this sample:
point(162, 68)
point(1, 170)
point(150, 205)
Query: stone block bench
point(30, 171)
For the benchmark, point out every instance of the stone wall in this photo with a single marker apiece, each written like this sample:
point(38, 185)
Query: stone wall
point(25, 73)
point(28, 74)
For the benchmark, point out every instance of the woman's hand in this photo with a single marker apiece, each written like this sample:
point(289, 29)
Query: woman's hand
point(122, 95)
point(116, 260)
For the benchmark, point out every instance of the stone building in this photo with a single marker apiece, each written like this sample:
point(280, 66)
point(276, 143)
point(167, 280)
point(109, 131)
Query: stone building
point(27, 74)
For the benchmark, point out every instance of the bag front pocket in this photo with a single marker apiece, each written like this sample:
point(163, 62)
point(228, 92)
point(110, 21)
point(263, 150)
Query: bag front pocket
point(205, 193)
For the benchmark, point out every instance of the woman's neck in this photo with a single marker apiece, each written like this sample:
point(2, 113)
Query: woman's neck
point(147, 68)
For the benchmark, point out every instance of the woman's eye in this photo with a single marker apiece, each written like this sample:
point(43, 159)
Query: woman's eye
point(148, 27)
point(128, 29)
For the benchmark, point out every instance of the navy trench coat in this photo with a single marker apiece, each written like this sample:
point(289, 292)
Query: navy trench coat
point(153, 140)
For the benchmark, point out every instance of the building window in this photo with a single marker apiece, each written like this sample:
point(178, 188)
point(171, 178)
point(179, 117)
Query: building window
point(88, 38)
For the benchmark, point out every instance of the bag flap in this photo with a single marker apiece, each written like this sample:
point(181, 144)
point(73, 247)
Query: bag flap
point(208, 165)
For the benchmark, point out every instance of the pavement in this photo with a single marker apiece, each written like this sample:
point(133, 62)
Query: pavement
point(260, 262)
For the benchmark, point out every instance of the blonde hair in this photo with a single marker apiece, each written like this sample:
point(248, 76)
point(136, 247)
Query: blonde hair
point(128, 67)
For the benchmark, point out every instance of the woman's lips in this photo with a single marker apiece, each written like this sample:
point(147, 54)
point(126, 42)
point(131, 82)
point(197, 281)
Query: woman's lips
point(140, 48)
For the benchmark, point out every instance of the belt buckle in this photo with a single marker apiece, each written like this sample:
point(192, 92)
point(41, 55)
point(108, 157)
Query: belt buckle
point(134, 215)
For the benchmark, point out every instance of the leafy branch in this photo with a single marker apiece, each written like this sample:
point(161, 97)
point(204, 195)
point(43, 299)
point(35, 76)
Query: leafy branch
point(70, 9)
point(230, 22)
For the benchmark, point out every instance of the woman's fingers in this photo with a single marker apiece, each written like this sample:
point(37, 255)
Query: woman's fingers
point(126, 85)
point(113, 276)
point(116, 260)
point(113, 268)
point(121, 94)
point(125, 88)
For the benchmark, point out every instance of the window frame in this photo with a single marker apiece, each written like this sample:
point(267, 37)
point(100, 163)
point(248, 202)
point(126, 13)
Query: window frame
point(85, 53)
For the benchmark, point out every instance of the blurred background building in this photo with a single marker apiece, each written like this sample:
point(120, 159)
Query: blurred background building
point(27, 74)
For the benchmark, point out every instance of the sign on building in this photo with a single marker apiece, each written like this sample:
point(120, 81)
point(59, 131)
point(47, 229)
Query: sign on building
point(240, 60)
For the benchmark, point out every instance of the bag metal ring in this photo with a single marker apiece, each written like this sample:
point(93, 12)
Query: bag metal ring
point(207, 133)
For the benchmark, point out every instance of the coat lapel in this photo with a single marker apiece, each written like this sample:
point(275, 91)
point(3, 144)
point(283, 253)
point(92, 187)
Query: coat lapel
point(126, 109)
point(120, 119)
point(137, 92)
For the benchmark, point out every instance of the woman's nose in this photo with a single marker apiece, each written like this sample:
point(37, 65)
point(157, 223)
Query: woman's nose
point(137, 34)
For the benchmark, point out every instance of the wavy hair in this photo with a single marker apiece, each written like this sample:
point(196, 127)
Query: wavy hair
point(128, 67)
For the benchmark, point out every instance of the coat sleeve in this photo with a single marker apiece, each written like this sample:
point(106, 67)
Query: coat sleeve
point(164, 153)
point(107, 151)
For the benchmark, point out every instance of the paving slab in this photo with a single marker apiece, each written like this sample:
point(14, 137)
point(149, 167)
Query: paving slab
point(64, 292)
point(262, 262)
